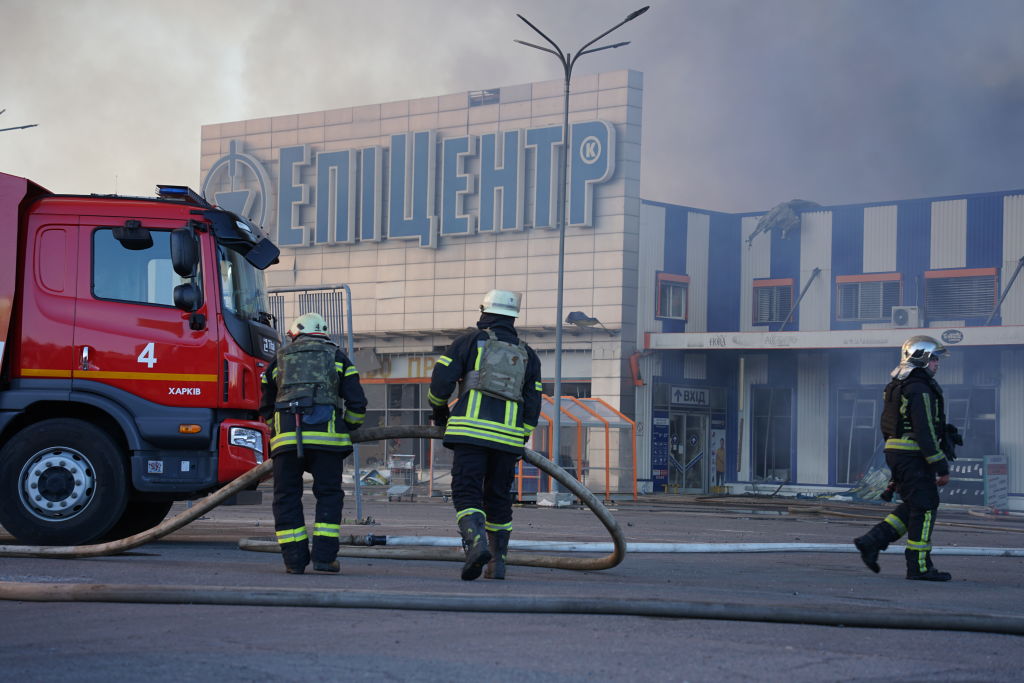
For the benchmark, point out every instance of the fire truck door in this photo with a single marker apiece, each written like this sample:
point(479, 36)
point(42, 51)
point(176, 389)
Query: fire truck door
point(128, 334)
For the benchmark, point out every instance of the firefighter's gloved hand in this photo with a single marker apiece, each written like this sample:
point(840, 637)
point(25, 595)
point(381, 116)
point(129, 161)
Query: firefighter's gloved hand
point(954, 435)
point(352, 426)
point(441, 414)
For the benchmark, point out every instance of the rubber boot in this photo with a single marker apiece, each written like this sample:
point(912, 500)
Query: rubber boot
point(295, 556)
point(332, 567)
point(471, 527)
point(325, 554)
point(497, 543)
point(873, 542)
point(930, 573)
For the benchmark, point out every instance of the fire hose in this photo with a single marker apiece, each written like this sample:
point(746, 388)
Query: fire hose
point(253, 476)
point(233, 595)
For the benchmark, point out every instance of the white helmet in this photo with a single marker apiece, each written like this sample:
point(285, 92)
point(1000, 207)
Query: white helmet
point(920, 349)
point(308, 323)
point(501, 302)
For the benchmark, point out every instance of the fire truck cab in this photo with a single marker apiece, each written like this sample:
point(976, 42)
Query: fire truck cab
point(134, 332)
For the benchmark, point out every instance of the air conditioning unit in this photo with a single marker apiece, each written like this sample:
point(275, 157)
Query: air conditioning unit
point(906, 316)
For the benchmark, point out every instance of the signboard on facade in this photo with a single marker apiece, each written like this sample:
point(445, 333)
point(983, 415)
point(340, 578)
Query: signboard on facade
point(417, 187)
point(829, 339)
point(659, 450)
point(690, 396)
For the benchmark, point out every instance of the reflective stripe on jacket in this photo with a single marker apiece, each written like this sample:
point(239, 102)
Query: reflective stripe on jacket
point(479, 418)
point(333, 433)
point(922, 421)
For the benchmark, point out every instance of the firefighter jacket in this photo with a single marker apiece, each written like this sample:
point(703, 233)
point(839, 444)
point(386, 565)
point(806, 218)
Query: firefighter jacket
point(479, 418)
point(326, 427)
point(914, 419)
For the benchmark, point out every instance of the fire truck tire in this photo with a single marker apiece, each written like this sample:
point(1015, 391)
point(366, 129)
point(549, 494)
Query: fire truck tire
point(138, 516)
point(62, 482)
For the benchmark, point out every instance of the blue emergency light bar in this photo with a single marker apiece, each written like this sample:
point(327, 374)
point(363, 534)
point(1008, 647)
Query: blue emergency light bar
point(181, 193)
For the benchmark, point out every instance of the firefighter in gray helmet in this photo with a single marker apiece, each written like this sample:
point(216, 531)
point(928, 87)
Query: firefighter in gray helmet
point(312, 400)
point(918, 448)
point(495, 413)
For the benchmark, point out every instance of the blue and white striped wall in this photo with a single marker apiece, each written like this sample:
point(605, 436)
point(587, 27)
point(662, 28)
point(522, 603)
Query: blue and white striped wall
point(908, 236)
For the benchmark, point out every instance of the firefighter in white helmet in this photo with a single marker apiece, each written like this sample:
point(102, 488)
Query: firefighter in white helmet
point(918, 447)
point(495, 414)
point(312, 399)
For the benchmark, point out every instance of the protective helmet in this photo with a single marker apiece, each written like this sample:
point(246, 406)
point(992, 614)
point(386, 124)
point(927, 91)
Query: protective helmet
point(308, 323)
point(920, 349)
point(501, 302)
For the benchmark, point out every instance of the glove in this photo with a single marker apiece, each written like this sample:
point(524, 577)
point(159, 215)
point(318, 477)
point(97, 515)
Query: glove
point(440, 415)
point(950, 440)
point(352, 426)
point(954, 435)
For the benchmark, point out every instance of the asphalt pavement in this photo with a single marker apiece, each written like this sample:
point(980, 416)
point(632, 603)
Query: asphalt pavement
point(390, 636)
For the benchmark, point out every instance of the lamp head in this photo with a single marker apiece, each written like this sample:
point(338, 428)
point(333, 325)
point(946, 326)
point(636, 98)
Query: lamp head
point(636, 13)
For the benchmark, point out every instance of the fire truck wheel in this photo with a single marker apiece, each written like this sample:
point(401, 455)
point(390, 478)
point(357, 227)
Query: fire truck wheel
point(62, 482)
point(139, 516)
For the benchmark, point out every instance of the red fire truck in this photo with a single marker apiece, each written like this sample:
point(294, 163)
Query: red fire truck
point(133, 333)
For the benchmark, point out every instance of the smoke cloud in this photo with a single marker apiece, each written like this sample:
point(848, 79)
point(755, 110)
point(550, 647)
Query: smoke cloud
point(746, 104)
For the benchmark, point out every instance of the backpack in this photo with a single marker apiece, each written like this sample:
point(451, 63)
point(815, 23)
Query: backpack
point(307, 373)
point(502, 369)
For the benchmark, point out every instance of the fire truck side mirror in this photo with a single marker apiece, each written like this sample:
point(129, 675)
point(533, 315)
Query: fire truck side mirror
point(263, 254)
point(184, 253)
point(187, 297)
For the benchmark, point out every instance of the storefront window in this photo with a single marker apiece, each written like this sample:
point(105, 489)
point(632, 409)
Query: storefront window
point(773, 300)
point(860, 298)
point(574, 389)
point(771, 440)
point(858, 435)
point(967, 293)
point(395, 404)
point(672, 290)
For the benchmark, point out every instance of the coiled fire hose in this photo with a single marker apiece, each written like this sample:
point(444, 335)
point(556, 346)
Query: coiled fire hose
point(366, 434)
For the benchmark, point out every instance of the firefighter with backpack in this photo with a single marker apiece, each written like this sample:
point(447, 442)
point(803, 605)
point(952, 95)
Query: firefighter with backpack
point(919, 445)
point(312, 400)
point(496, 412)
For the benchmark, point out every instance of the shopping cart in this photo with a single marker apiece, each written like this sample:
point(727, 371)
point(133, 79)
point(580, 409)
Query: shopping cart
point(403, 477)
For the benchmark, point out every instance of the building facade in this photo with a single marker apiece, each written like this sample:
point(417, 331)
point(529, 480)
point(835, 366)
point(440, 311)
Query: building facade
point(746, 360)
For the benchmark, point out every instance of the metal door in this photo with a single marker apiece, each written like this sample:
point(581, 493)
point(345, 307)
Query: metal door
point(128, 334)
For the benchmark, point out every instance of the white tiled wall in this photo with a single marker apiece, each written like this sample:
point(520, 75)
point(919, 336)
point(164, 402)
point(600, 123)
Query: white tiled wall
point(401, 286)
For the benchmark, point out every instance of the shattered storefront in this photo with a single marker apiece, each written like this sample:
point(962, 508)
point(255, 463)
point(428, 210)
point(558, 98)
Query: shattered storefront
point(798, 330)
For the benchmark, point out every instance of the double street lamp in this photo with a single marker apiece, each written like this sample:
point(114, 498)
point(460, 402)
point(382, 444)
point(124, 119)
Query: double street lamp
point(567, 61)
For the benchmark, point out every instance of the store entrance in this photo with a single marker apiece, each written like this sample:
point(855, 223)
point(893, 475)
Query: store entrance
point(688, 451)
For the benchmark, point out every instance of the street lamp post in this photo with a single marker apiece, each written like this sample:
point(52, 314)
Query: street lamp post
point(567, 61)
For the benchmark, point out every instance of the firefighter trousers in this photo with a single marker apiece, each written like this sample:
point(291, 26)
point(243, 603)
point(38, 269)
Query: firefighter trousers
point(482, 479)
point(289, 519)
point(915, 515)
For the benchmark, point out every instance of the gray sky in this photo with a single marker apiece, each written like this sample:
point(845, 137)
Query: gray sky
point(747, 103)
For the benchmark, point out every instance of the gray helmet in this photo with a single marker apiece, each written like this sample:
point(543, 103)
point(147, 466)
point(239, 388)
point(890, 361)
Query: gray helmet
point(501, 302)
point(920, 349)
point(308, 323)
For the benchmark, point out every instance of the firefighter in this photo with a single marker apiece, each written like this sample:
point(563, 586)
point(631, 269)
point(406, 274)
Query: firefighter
point(312, 400)
point(496, 412)
point(913, 424)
